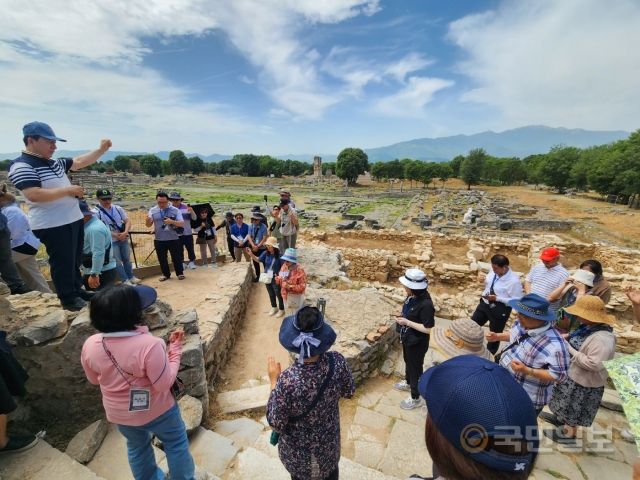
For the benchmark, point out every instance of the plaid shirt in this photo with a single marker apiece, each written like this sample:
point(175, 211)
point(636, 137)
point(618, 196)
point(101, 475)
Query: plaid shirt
point(544, 349)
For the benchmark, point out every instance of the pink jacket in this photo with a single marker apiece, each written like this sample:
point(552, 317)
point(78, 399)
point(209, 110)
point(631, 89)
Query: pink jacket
point(146, 364)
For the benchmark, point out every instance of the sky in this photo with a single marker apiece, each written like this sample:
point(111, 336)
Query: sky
point(312, 76)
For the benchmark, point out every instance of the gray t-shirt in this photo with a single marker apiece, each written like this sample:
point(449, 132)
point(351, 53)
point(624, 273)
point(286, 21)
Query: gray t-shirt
point(286, 226)
point(165, 232)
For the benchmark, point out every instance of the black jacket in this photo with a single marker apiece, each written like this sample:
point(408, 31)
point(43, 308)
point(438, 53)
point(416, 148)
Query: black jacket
point(420, 310)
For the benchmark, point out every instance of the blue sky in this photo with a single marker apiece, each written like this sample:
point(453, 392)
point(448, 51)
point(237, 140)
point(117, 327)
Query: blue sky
point(312, 76)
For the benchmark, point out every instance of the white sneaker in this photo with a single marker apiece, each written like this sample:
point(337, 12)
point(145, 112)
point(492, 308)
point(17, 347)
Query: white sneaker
point(410, 403)
point(280, 313)
point(128, 282)
point(273, 311)
point(192, 266)
point(135, 280)
point(402, 386)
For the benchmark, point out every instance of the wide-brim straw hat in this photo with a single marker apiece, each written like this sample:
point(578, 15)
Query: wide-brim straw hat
point(591, 308)
point(583, 276)
point(462, 337)
point(272, 242)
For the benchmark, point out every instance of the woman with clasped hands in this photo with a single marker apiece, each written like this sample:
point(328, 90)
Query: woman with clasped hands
point(135, 373)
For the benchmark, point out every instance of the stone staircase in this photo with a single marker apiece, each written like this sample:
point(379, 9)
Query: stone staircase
point(43, 462)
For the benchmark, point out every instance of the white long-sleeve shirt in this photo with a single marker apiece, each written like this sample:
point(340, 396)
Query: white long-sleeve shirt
point(507, 287)
point(19, 227)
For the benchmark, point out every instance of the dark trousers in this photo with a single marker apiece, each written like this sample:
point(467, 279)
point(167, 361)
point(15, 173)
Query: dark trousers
point(174, 247)
point(8, 269)
point(108, 277)
point(231, 248)
point(256, 265)
point(187, 243)
point(64, 246)
point(273, 289)
point(413, 356)
point(332, 476)
point(497, 317)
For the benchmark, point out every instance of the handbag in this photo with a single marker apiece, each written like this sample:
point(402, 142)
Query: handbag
point(178, 388)
point(266, 277)
point(275, 436)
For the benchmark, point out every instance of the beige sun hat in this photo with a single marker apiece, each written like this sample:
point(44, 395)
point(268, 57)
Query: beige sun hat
point(462, 337)
point(272, 242)
point(584, 276)
point(591, 308)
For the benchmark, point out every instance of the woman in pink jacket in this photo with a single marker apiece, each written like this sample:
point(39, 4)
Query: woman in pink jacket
point(135, 373)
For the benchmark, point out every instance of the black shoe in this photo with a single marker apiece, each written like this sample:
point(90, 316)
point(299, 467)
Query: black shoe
point(558, 436)
point(20, 290)
point(19, 443)
point(86, 295)
point(75, 305)
point(550, 418)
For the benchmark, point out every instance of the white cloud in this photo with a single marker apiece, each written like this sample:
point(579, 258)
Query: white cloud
point(412, 99)
point(138, 110)
point(247, 80)
point(112, 33)
point(571, 63)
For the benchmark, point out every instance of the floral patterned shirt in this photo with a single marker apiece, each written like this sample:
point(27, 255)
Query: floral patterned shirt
point(310, 447)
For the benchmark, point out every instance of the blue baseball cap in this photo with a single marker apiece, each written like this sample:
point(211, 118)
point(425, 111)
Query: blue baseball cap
point(40, 129)
point(146, 294)
point(471, 400)
point(533, 306)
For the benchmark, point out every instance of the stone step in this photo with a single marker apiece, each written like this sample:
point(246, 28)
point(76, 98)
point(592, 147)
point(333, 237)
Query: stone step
point(251, 463)
point(244, 399)
point(111, 462)
point(43, 462)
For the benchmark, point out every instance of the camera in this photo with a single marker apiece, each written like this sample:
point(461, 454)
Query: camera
point(120, 228)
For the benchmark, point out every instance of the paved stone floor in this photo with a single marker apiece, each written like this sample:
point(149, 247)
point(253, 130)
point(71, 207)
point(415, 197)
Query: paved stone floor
point(378, 434)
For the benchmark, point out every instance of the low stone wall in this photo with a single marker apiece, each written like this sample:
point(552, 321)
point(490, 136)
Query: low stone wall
point(48, 340)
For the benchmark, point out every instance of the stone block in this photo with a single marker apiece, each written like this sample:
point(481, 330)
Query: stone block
point(84, 445)
point(369, 418)
point(154, 317)
point(53, 325)
point(611, 400)
point(211, 451)
point(191, 411)
point(43, 462)
point(373, 336)
point(242, 431)
point(406, 452)
point(597, 468)
point(244, 399)
point(188, 320)
point(192, 355)
point(252, 463)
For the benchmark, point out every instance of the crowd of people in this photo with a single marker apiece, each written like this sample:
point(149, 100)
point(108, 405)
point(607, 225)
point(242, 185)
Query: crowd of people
point(552, 355)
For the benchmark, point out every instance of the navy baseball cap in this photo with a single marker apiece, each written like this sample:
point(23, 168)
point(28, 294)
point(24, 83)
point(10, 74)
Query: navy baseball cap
point(84, 208)
point(146, 294)
point(40, 129)
point(471, 400)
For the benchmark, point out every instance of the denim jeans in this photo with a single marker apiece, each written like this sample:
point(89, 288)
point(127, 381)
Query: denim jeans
point(121, 252)
point(169, 428)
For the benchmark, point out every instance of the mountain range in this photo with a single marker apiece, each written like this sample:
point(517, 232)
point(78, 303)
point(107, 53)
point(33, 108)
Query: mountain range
point(518, 142)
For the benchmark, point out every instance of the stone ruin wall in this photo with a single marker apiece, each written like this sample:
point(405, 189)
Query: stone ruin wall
point(456, 285)
point(48, 340)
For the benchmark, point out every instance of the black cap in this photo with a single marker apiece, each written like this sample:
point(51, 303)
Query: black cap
point(103, 194)
point(229, 214)
point(284, 201)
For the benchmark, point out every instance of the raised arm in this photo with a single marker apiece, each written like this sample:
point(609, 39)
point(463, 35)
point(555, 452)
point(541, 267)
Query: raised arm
point(92, 157)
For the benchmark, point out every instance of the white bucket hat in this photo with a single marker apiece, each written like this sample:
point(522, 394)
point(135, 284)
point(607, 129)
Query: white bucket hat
point(415, 279)
point(584, 276)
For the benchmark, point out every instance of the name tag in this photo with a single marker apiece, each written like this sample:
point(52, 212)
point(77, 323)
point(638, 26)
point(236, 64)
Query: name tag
point(139, 399)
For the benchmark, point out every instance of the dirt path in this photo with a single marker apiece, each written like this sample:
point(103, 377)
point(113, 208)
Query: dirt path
point(257, 340)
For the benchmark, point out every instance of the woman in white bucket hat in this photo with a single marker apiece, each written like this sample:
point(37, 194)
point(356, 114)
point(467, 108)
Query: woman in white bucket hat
point(414, 326)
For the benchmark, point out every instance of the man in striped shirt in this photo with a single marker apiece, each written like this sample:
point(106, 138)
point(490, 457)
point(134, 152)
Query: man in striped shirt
point(545, 277)
point(54, 214)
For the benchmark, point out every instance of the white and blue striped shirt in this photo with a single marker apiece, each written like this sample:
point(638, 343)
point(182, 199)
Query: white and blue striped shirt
point(545, 280)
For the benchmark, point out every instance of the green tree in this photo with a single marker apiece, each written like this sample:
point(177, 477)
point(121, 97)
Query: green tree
point(178, 162)
point(557, 165)
point(5, 164)
point(196, 165)
point(134, 166)
point(455, 164)
point(151, 165)
point(444, 172)
point(472, 167)
point(328, 166)
point(121, 163)
point(248, 163)
point(351, 162)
